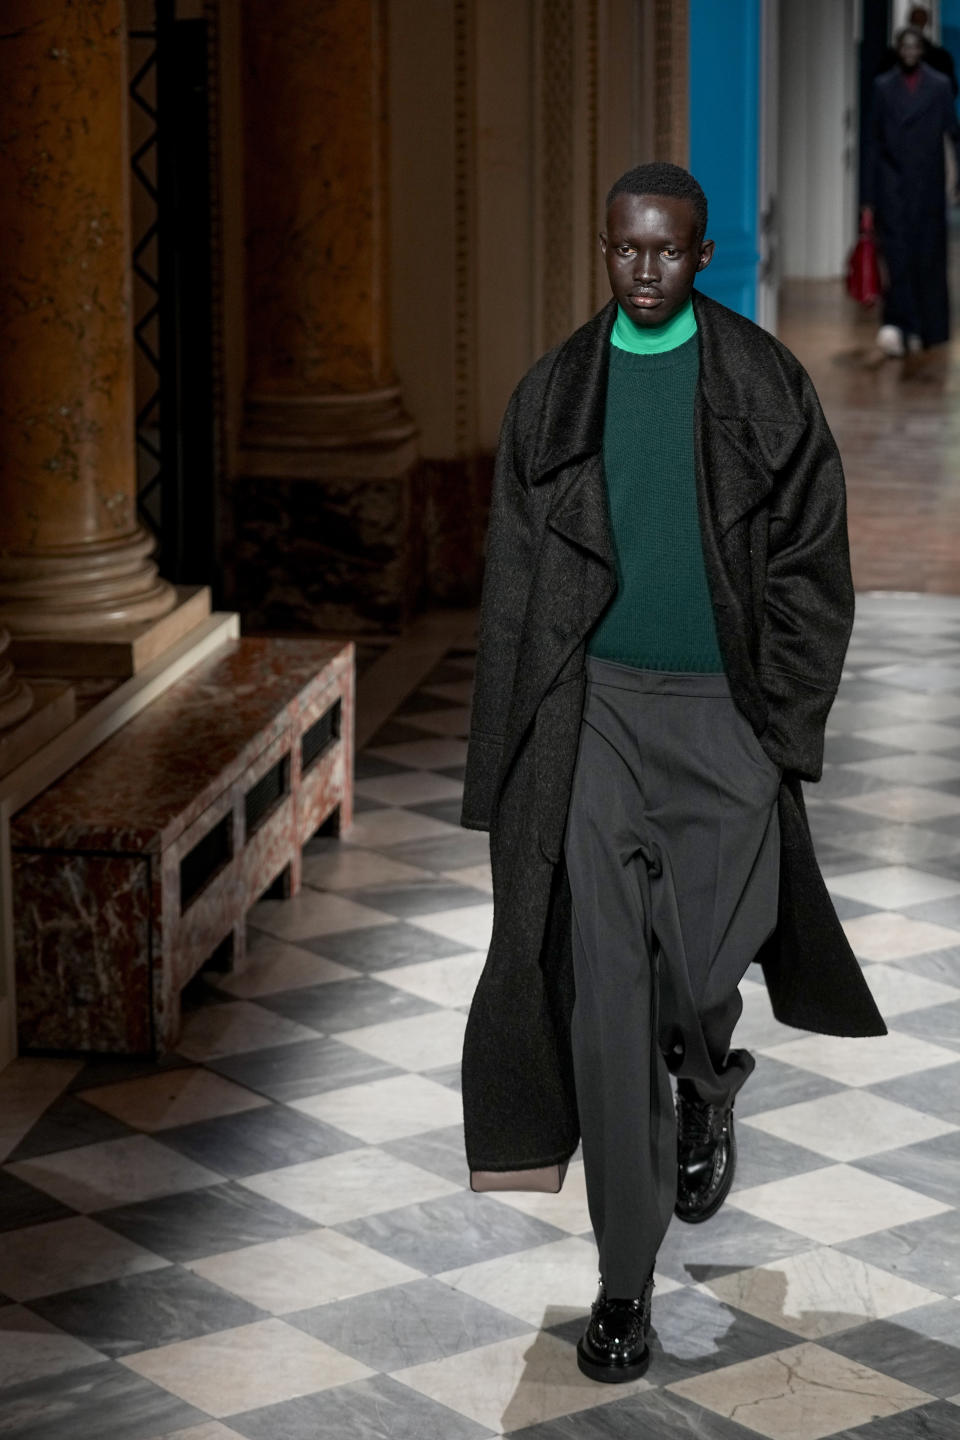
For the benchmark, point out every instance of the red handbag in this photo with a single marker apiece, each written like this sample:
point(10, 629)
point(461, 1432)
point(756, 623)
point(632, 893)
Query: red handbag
point(864, 283)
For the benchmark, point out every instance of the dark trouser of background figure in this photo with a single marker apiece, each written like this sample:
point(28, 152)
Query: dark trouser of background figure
point(673, 851)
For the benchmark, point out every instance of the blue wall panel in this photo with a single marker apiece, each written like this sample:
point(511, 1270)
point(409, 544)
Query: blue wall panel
point(724, 142)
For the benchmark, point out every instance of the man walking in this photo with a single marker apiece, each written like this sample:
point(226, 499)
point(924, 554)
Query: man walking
point(666, 607)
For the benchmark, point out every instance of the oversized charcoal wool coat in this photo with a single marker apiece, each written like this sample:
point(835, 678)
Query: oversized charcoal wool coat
point(772, 518)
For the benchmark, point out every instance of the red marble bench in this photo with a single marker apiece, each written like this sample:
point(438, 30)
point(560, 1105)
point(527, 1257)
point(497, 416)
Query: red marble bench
point(142, 861)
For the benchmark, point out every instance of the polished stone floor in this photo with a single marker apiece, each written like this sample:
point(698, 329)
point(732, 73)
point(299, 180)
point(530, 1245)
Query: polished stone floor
point(269, 1236)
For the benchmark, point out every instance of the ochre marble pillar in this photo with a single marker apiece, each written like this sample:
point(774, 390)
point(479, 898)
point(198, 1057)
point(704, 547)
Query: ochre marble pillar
point(327, 510)
point(72, 556)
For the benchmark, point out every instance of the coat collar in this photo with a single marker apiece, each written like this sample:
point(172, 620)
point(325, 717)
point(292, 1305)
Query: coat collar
point(912, 103)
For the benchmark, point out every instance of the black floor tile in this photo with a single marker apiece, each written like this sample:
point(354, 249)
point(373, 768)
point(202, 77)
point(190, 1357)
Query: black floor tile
point(444, 852)
point(22, 1204)
point(446, 810)
point(68, 1123)
point(931, 1167)
point(347, 1005)
point(104, 1402)
point(257, 1140)
point(307, 1067)
point(651, 1415)
point(204, 1222)
point(139, 1312)
point(375, 1409)
point(894, 1350)
point(929, 1422)
point(380, 947)
point(419, 897)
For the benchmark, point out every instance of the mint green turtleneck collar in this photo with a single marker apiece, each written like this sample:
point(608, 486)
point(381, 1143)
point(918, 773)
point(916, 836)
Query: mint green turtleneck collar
point(656, 339)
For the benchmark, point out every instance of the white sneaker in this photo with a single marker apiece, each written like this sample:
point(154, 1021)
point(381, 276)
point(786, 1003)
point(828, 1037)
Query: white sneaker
point(890, 340)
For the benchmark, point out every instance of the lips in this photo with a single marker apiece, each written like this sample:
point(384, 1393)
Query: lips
point(645, 299)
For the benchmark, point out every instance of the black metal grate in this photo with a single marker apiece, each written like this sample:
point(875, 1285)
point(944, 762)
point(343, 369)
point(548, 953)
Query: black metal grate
point(320, 736)
point(269, 790)
point(208, 856)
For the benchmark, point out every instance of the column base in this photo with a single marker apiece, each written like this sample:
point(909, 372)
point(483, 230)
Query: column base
point(54, 710)
point(121, 650)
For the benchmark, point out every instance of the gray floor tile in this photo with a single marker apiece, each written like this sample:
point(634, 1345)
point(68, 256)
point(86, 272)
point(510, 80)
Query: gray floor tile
point(204, 1222)
point(940, 1024)
point(22, 1204)
point(940, 1321)
point(651, 1415)
point(773, 1085)
point(941, 912)
point(447, 810)
point(937, 1092)
point(114, 1069)
point(395, 732)
point(307, 1067)
point(842, 749)
point(932, 1167)
point(68, 1123)
point(449, 1075)
point(408, 1325)
point(139, 1312)
point(106, 1402)
point(443, 1234)
point(439, 1151)
point(925, 1251)
point(347, 1005)
point(375, 1409)
point(940, 1421)
point(257, 1140)
point(420, 703)
point(942, 965)
point(762, 1158)
point(910, 1358)
point(732, 1241)
point(381, 947)
point(372, 767)
point(453, 852)
point(422, 897)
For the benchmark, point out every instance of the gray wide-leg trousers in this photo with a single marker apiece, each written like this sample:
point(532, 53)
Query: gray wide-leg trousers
point(672, 849)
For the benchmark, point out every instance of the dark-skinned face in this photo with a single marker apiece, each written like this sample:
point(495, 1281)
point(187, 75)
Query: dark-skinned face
point(910, 51)
point(652, 253)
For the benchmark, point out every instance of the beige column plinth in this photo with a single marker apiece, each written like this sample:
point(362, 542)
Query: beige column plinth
point(72, 555)
point(328, 509)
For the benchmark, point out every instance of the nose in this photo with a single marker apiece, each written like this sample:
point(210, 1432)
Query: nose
point(647, 267)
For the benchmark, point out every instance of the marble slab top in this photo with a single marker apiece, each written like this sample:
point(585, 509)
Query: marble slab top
point(151, 779)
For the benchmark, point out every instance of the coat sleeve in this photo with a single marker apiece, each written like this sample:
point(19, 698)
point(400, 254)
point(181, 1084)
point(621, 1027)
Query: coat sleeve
point(506, 583)
point(808, 598)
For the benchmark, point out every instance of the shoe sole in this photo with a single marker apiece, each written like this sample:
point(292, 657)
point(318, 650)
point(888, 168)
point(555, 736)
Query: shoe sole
point(721, 1195)
point(613, 1374)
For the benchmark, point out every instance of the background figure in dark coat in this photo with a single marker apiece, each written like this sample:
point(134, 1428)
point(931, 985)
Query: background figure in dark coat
point(933, 55)
point(906, 189)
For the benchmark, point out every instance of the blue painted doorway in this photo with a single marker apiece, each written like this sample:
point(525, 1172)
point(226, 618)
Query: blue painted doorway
point(724, 59)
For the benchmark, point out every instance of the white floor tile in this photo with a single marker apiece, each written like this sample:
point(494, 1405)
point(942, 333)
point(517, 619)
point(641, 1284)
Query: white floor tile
point(413, 787)
point(891, 887)
point(450, 982)
point(297, 1273)
point(351, 868)
point(234, 1028)
point(835, 1204)
point(849, 1125)
point(66, 1255)
point(887, 936)
point(383, 828)
point(244, 1369)
point(31, 1348)
point(921, 736)
point(441, 753)
point(27, 1087)
point(898, 991)
point(864, 1061)
point(514, 1383)
point(910, 803)
point(471, 925)
point(313, 913)
point(274, 965)
point(348, 1186)
point(476, 875)
point(114, 1172)
point(804, 1393)
point(917, 769)
point(386, 1109)
point(172, 1097)
point(567, 1210)
point(421, 1042)
point(819, 1292)
point(544, 1286)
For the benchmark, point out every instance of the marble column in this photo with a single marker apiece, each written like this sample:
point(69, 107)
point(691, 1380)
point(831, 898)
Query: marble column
point(327, 503)
point(73, 558)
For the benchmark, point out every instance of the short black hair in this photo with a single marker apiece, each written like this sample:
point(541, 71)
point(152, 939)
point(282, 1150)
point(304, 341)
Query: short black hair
point(660, 178)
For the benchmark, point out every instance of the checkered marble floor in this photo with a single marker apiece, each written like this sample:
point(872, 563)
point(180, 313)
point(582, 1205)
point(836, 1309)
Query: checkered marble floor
point(269, 1235)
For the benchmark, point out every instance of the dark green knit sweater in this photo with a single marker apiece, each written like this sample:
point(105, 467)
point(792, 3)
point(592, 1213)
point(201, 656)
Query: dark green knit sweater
point(661, 617)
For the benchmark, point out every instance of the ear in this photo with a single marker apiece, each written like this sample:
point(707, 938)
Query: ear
point(603, 243)
point(706, 254)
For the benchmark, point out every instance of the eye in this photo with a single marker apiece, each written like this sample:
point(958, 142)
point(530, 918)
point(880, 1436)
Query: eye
point(670, 251)
point(625, 249)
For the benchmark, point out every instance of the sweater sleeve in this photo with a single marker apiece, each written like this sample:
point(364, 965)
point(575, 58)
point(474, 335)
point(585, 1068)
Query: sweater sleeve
point(809, 598)
point(506, 584)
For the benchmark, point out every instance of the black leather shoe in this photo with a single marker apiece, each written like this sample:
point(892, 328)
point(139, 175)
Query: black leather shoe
point(706, 1156)
point(613, 1348)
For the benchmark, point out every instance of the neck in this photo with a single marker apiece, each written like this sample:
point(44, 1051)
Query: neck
point(654, 339)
